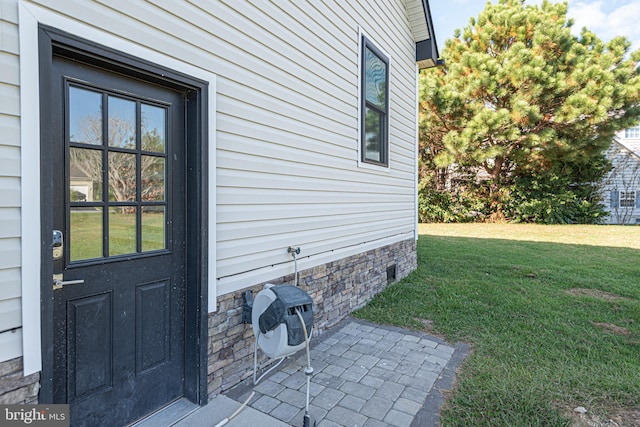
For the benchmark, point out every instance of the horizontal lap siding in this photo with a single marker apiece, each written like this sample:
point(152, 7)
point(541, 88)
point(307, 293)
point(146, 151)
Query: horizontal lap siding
point(293, 179)
point(10, 294)
point(625, 176)
point(287, 117)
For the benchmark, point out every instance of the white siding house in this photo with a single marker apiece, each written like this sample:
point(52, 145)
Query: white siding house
point(621, 189)
point(271, 138)
point(10, 285)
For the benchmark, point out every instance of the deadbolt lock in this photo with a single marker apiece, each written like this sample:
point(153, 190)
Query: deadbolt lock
point(57, 245)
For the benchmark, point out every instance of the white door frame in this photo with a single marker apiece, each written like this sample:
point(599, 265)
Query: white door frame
point(30, 16)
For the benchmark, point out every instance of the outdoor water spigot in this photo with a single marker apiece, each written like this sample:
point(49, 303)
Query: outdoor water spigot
point(293, 250)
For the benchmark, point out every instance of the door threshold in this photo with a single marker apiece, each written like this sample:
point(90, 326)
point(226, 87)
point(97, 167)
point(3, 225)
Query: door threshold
point(168, 415)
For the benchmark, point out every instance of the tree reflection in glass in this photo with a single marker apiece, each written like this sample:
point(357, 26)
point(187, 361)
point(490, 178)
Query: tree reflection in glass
point(85, 116)
point(153, 128)
point(135, 163)
point(122, 123)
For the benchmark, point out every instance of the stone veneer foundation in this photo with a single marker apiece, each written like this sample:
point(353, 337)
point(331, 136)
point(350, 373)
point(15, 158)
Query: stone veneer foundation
point(337, 289)
point(16, 388)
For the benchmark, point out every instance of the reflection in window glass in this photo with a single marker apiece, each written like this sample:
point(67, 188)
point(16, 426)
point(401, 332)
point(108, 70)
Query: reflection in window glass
point(153, 128)
point(121, 151)
point(85, 116)
point(152, 178)
point(85, 234)
point(373, 134)
point(374, 107)
point(122, 230)
point(153, 228)
point(85, 176)
point(376, 79)
point(122, 177)
point(122, 123)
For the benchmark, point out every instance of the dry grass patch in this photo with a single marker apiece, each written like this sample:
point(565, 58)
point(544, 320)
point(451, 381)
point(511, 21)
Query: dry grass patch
point(618, 236)
point(616, 418)
point(611, 328)
point(595, 293)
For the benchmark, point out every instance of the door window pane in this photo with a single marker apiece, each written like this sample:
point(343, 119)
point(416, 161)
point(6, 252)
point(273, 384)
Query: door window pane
point(153, 228)
point(85, 116)
point(153, 128)
point(85, 237)
point(152, 178)
point(85, 175)
point(131, 165)
point(122, 177)
point(122, 230)
point(122, 123)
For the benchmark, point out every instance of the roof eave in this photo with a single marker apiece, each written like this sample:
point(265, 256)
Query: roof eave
point(427, 50)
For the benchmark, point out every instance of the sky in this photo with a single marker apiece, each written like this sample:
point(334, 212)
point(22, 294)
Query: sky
point(606, 18)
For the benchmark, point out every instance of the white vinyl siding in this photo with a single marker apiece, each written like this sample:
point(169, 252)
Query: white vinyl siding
point(291, 177)
point(10, 301)
point(621, 187)
point(287, 121)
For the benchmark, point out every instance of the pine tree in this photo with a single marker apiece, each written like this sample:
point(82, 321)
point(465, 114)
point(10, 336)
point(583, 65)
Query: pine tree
point(521, 98)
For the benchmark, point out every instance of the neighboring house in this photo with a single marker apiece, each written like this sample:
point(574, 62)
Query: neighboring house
point(621, 188)
point(158, 158)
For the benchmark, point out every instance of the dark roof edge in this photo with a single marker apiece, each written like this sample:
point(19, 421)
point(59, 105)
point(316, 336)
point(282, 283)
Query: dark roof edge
point(427, 50)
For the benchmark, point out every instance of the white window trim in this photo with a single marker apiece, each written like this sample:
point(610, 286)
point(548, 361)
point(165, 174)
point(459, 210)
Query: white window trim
point(633, 198)
point(416, 149)
point(29, 18)
point(632, 130)
point(361, 164)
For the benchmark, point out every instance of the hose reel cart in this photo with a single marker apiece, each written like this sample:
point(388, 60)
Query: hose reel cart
point(282, 319)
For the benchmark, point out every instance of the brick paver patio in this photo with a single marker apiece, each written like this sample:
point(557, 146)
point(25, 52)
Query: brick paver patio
point(365, 375)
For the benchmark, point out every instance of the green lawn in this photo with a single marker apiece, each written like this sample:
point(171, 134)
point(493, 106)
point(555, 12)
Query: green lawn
point(552, 314)
point(87, 233)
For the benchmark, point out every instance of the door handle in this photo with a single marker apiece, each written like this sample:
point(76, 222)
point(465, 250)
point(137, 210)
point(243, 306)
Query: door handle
point(58, 283)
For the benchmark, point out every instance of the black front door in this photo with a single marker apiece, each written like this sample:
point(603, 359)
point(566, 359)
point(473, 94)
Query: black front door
point(118, 162)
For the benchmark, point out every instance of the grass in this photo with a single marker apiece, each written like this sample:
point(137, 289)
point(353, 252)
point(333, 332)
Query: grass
point(552, 314)
point(87, 233)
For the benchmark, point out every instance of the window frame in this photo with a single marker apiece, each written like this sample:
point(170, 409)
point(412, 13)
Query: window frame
point(629, 199)
point(367, 43)
point(106, 204)
point(632, 132)
point(38, 37)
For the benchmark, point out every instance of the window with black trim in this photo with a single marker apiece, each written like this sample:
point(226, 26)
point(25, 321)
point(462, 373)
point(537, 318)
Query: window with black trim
point(374, 105)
